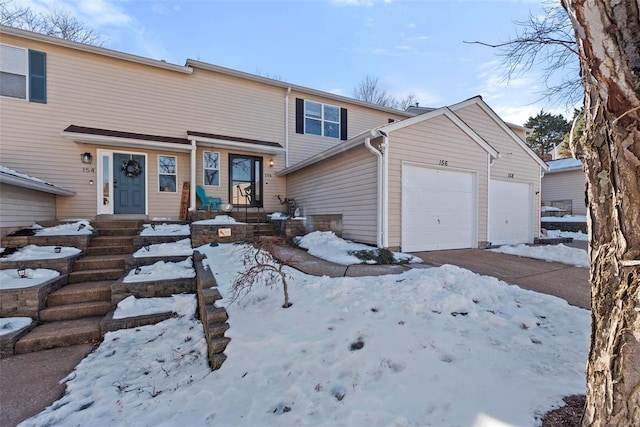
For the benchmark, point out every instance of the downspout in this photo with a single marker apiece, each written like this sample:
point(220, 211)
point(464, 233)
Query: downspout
point(286, 127)
point(379, 207)
point(385, 191)
point(192, 178)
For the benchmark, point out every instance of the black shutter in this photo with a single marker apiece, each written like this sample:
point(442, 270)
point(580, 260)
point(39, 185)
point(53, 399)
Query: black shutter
point(343, 124)
point(299, 115)
point(37, 76)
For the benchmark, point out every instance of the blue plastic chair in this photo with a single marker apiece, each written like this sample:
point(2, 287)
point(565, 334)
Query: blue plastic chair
point(207, 200)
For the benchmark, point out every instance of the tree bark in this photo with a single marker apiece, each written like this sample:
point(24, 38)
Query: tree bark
point(608, 36)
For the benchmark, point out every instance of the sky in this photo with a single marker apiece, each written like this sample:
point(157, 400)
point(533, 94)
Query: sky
point(413, 47)
point(437, 346)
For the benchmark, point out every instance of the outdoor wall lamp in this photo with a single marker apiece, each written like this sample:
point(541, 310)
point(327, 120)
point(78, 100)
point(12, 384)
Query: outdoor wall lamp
point(271, 163)
point(22, 273)
point(86, 158)
point(57, 249)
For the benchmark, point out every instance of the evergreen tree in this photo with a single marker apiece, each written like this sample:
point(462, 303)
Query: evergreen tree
point(548, 130)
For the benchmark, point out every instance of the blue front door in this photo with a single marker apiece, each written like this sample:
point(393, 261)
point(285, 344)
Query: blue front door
point(128, 184)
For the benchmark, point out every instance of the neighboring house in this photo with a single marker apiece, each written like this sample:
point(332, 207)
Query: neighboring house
point(123, 133)
point(23, 196)
point(563, 186)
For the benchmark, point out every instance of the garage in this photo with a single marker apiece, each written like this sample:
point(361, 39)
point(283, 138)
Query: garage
point(510, 212)
point(438, 209)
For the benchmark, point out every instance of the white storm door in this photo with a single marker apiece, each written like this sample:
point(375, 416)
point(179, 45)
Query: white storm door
point(510, 212)
point(438, 209)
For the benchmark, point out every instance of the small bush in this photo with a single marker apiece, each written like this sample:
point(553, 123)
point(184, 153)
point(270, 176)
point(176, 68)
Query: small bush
point(381, 256)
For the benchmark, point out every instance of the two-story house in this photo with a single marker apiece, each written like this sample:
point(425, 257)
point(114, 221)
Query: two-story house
point(88, 131)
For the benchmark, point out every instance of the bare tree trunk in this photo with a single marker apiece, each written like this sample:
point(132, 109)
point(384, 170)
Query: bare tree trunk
point(608, 35)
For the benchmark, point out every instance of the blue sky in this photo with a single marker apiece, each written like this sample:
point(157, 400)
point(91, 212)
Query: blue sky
point(410, 46)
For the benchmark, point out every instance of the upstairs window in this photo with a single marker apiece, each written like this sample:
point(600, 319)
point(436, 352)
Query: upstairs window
point(23, 73)
point(167, 173)
point(315, 118)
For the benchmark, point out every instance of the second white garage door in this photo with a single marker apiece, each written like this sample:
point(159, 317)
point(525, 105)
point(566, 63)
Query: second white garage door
point(510, 213)
point(438, 209)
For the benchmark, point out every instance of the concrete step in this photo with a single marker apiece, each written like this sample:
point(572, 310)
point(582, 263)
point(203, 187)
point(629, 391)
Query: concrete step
point(60, 334)
point(96, 275)
point(99, 262)
point(109, 250)
point(218, 345)
point(81, 292)
point(74, 311)
point(215, 315)
point(112, 241)
point(211, 295)
point(119, 232)
point(217, 330)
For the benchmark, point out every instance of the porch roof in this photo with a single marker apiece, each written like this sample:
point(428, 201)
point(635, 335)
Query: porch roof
point(109, 137)
point(12, 177)
point(226, 141)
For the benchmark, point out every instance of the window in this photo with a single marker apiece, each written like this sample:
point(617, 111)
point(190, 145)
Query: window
point(315, 118)
point(23, 73)
point(167, 173)
point(211, 168)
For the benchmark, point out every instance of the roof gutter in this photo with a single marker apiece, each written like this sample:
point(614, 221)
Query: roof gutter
point(115, 141)
point(382, 155)
point(192, 177)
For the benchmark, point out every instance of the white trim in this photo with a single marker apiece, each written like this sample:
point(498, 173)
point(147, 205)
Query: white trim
point(379, 193)
point(168, 174)
point(322, 119)
point(204, 184)
point(477, 100)
point(113, 141)
point(444, 111)
point(34, 185)
point(222, 143)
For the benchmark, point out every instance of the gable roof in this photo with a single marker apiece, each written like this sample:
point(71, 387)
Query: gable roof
point(477, 100)
point(190, 65)
point(444, 111)
point(12, 177)
point(563, 165)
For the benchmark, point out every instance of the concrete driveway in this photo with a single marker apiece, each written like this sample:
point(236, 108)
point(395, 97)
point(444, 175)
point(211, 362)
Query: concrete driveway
point(564, 281)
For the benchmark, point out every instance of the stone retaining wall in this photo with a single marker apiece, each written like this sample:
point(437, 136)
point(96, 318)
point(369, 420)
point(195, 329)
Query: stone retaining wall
point(157, 288)
point(565, 226)
point(28, 302)
point(81, 241)
point(202, 234)
point(62, 265)
point(299, 227)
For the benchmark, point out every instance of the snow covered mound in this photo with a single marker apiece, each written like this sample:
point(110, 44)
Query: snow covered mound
point(10, 279)
point(161, 270)
point(179, 248)
point(220, 219)
point(165, 230)
point(9, 325)
point(33, 252)
point(74, 228)
point(553, 253)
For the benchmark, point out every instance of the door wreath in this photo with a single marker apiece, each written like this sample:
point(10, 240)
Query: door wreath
point(131, 168)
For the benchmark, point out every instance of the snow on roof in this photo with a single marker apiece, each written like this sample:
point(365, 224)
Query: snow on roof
point(12, 177)
point(564, 164)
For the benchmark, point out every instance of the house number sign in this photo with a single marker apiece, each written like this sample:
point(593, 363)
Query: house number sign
point(443, 163)
point(88, 170)
point(509, 175)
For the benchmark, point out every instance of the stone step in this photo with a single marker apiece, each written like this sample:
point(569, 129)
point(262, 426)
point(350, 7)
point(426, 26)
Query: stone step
point(216, 360)
point(100, 224)
point(94, 262)
point(112, 241)
point(109, 250)
point(216, 314)
point(81, 292)
point(217, 330)
point(60, 334)
point(218, 345)
point(118, 232)
point(96, 275)
point(211, 295)
point(74, 311)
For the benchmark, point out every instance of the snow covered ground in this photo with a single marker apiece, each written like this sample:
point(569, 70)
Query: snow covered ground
point(328, 246)
point(440, 346)
point(9, 325)
point(554, 253)
point(565, 218)
point(165, 230)
point(10, 279)
point(76, 227)
point(161, 270)
point(219, 219)
point(575, 235)
point(33, 252)
point(132, 306)
point(179, 248)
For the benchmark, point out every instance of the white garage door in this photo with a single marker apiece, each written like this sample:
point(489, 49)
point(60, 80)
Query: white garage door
point(438, 209)
point(510, 213)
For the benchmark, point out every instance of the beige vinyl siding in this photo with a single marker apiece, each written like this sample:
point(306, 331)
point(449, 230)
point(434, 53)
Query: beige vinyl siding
point(568, 185)
point(359, 119)
point(514, 164)
point(91, 90)
point(428, 142)
point(22, 206)
point(345, 184)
